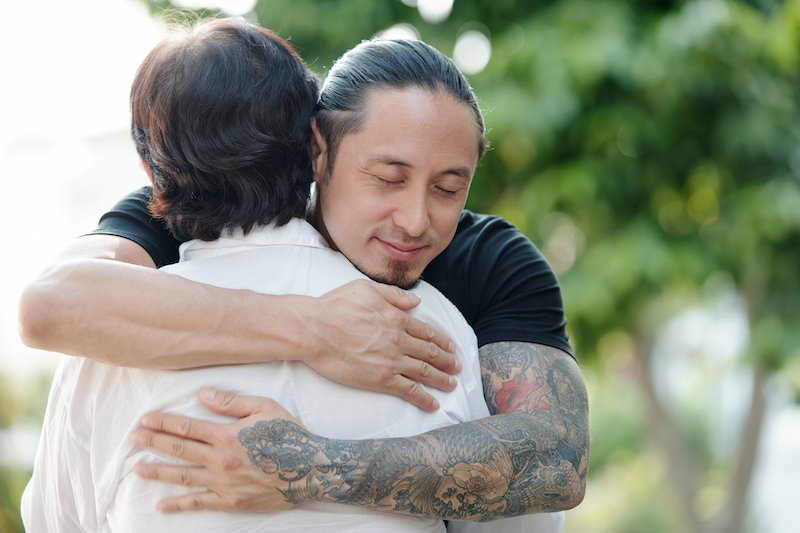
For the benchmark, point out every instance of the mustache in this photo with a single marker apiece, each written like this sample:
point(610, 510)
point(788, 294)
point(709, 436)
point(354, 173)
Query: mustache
point(404, 239)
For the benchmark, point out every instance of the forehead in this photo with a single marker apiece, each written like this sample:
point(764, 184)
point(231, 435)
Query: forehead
point(416, 118)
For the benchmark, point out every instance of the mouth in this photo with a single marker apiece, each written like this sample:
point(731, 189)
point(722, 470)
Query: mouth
point(400, 251)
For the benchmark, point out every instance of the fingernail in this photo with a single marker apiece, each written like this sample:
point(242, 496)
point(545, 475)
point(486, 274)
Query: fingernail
point(207, 393)
point(453, 381)
point(135, 437)
point(451, 347)
point(459, 366)
point(146, 420)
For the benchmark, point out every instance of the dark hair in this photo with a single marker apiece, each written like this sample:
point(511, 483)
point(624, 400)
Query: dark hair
point(386, 64)
point(221, 116)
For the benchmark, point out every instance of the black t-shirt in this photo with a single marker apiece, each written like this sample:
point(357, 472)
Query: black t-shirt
point(496, 277)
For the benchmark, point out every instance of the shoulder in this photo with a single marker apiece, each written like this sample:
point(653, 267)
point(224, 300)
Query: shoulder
point(131, 219)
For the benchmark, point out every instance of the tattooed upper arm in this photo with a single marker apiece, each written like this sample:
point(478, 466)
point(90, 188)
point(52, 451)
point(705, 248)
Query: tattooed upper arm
point(521, 377)
point(546, 383)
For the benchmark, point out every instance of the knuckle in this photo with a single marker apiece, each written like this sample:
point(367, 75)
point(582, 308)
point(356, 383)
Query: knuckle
point(228, 463)
point(396, 317)
point(240, 503)
point(184, 427)
point(395, 338)
point(177, 449)
point(430, 333)
point(226, 399)
point(425, 370)
point(413, 389)
point(146, 439)
point(196, 503)
point(384, 374)
point(434, 350)
point(183, 476)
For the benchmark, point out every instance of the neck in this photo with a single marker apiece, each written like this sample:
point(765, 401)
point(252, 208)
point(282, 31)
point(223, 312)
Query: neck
point(314, 217)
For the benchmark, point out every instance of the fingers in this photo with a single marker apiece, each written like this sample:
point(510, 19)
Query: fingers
point(410, 391)
point(430, 346)
point(190, 450)
point(199, 501)
point(188, 476)
point(228, 403)
point(191, 428)
point(396, 296)
point(425, 374)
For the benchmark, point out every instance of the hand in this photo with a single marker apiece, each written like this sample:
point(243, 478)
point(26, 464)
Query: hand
point(370, 342)
point(233, 481)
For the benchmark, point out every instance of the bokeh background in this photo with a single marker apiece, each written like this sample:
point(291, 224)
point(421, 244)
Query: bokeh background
point(650, 148)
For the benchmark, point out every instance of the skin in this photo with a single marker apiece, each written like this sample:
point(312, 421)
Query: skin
point(531, 456)
point(399, 184)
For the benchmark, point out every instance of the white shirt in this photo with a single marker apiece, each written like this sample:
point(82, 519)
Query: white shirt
point(83, 478)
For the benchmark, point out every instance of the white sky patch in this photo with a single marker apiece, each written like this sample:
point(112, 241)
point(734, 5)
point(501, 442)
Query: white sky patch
point(472, 52)
point(230, 7)
point(400, 31)
point(434, 11)
point(65, 152)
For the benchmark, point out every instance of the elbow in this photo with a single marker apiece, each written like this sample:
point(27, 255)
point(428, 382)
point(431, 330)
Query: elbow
point(575, 494)
point(575, 486)
point(39, 308)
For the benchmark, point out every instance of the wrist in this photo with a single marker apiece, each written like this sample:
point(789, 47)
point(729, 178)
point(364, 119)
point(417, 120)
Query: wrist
point(301, 312)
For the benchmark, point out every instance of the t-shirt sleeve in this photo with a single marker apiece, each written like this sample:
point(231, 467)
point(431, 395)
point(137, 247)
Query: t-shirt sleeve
point(131, 219)
point(502, 284)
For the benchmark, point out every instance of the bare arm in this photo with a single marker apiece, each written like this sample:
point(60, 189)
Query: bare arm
point(533, 458)
point(104, 299)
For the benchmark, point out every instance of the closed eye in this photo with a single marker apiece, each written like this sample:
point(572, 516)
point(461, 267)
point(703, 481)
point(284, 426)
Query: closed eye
point(447, 192)
point(390, 183)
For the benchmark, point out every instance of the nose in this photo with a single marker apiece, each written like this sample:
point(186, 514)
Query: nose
point(411, 213)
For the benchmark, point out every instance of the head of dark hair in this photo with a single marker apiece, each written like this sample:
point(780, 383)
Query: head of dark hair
point(387, 64)
point(221, 117)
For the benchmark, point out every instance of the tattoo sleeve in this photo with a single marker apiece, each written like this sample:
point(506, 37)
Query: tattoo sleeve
point(530, 456)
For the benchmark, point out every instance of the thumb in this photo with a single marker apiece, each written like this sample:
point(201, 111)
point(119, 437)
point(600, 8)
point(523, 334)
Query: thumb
point(396, 296)
point(228, 403)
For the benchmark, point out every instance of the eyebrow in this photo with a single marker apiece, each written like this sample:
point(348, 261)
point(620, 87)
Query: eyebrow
point(461, 172)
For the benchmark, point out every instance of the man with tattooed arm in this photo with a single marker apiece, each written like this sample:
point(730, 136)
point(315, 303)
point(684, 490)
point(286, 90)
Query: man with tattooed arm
point(531, 456)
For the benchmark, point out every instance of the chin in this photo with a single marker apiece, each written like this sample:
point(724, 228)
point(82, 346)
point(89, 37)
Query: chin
point(397, 273)
point(403, 281)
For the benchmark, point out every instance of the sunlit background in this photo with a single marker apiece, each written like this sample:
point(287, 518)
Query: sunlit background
point(650, 149)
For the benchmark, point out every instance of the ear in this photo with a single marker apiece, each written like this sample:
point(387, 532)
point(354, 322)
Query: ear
point(319, 153)
point(147, 170)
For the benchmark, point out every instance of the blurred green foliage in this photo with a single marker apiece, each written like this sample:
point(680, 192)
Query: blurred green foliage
point(22, 402)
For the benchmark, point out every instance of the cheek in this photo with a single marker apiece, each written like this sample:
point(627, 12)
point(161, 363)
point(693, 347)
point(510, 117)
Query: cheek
point(444, 218)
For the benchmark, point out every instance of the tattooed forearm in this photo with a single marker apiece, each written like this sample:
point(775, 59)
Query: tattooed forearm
point(522, 462)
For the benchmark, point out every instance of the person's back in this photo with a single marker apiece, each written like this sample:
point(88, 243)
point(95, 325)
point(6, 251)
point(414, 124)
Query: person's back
point(291, 259)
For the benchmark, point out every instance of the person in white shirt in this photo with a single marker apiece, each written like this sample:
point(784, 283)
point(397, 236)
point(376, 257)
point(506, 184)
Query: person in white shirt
point(220, 119)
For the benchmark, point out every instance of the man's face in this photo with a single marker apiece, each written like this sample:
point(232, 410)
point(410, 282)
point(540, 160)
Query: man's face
point(393, 199)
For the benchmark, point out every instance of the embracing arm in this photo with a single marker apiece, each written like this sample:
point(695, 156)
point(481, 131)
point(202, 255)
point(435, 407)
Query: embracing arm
point(534, 458)
point(104, 300)
point(531, 457)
